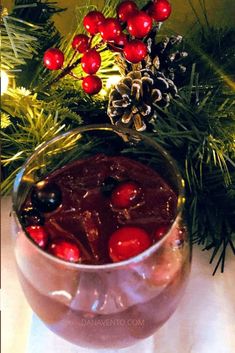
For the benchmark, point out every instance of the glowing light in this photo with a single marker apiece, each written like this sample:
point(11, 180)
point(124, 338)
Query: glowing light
point(103, 92)
point(4, 82)
point(112, 80)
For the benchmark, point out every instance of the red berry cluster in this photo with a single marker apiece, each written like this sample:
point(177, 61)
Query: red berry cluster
point(124, 33)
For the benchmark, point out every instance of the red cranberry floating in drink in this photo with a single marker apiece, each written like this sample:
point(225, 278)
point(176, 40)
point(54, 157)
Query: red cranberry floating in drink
point(135, 51)
point(92, 21)
point(126, 9)
point(126, 194)
point(46, 197)
point(91, 61)
point(38, 234)
point(65, 250)
point(53, 59)
point(81, 43)
point(160, 10)
point(91, 84)
point(127, 242)
point(110, 29)
point(139, 24)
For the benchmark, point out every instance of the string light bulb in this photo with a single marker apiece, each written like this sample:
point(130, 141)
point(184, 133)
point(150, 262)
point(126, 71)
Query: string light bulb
point(4, 82)
point(112, 80)
point(103, 93)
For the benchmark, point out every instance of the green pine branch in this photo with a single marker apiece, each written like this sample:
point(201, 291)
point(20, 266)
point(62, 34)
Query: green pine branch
point(39, 13)
point(212, 48)
point(18, 42)
point(198, 129)
point(28, 122)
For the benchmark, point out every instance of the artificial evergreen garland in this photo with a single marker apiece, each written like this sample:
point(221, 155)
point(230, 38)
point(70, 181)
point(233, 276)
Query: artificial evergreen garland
point(192, 115)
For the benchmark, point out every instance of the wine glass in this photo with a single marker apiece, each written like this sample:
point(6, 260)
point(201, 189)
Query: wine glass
point(111, 305)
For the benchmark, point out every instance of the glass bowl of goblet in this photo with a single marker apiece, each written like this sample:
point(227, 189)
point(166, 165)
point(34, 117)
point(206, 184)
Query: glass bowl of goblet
point(105, 304)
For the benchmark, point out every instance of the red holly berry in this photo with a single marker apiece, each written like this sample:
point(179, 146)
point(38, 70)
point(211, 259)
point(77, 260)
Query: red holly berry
point(139, 24)
point(91, 84)
point(121, 40)
point(110, 29)
point(65, 250)
point(135, 51)
point(160, 10)
point(81, 43)
point(127, 242)
point(92, 21)
point(160, 232)
point(91, 61)
point(126, 9)
point(53, 59)
point(125, 194)
point(38, 234)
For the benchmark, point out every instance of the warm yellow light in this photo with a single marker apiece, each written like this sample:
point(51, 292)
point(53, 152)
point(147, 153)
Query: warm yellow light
point(4, 82)
point(112, 80)
point(103, 93)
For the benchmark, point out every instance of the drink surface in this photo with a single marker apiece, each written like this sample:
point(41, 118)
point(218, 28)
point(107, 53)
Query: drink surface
point(91, 210)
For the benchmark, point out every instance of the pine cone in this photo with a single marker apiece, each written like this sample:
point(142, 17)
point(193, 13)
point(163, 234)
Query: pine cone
point(132, 101)
point(166, 60)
